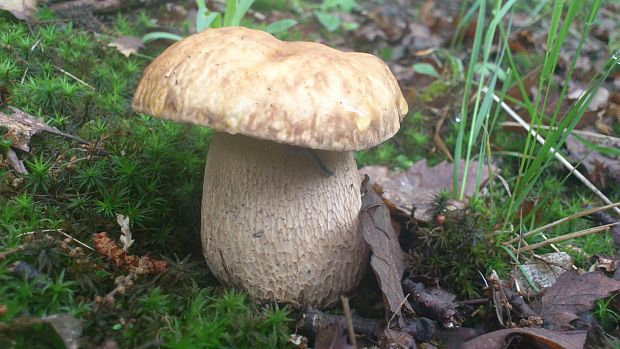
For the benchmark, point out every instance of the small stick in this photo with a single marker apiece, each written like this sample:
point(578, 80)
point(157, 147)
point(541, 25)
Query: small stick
point(556, 154)
point(60, 231)
point(437, 136)
point(577, 132)
point(568, 237)
point(400, 306)
point(11, 251)
point(74, 77)
point(565, 219)
point(347, 315)
point(313, 320)
point(477, 301)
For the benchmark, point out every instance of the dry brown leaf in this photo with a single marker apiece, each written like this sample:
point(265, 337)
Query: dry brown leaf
point(66, 327)
point(417, 186)
point(396, 339)
point(22, 126)
point(607, 263)
point(599, 100)
point(543, 270)
point(334, 336)
point(573, 294)
point(601, 168)
point(528, 338)
point(127, 45)
point(387, 259)
point(21, 9)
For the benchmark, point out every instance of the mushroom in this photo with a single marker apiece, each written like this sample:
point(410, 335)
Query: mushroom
point(281, 189)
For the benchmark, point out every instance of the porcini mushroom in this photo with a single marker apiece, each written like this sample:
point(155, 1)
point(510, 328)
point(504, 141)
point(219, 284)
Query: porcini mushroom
point(281, 189)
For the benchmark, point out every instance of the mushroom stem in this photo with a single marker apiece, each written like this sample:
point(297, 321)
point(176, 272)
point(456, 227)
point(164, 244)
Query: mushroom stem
point(312, 154)
point(276, 227)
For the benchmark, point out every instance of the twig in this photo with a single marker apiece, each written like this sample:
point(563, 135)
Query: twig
point(437, 136)
point(313, 320)
point(15, 162)
point(122, 284)
point(400, 306)
point(29, 120)
point(577, 132)
point(60, 231)
point(477, 301)
point(11, 251)
point(73, 77)
point(552, 150)
point(347, 315)
point(569, 236)
point(563, 220)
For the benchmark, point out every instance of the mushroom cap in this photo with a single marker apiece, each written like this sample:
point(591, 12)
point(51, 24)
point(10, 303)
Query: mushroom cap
point(239, 80)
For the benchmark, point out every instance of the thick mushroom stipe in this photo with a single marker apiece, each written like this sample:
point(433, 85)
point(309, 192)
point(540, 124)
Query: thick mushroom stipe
point(277, 227)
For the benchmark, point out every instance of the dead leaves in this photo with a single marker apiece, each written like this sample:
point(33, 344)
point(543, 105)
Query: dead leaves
point(417, 186)
point(22, 126)
point(66, 327)
point(528, 338)
point(602, 167)
point(127, 45)
point(21, 9)
point(573, 294)
point(387, 259)
point(334, 336)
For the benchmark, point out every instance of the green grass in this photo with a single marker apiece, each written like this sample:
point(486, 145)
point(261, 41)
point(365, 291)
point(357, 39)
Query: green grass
point(534, 176)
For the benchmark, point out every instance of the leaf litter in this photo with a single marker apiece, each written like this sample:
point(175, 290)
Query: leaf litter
point(416, 187)
point(22, 126)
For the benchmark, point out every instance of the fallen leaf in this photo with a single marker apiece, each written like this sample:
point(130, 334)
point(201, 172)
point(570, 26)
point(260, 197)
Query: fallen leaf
point(417, 186)
point(127, 45)
point(396, 339)
point(387, 259)
point(126, 238)
point(67, 327)
point(599, 100)
point(421, 328)
point(602, 168)
point(528, 338)
point(334, 336)
point(606, 263)
point(21, 9)
point(22, 126)
point(544, 269)
point(573, 294)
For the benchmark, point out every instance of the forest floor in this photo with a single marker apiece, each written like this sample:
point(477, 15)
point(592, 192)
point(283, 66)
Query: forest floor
point(100, 206)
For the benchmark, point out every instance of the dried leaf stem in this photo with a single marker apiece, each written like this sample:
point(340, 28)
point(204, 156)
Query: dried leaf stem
point(563, 220)
point(568, 237)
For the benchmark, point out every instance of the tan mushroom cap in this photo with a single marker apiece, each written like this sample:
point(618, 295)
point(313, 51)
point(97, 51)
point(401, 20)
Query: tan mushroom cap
point(240, 80)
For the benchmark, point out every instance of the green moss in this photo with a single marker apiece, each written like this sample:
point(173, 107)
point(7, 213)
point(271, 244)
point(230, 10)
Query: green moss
point(147, 169)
